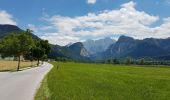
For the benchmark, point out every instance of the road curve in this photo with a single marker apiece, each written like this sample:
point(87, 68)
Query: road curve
point(22, 85)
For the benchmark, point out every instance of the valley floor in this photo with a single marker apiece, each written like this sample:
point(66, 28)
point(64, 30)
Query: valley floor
point(76, 81)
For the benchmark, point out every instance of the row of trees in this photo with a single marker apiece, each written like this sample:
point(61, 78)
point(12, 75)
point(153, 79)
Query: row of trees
point(64, 59)
point(22, 44)
point(141, 61)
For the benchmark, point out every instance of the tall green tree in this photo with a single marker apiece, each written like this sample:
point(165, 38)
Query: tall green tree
point(41, 50)
point(115, 61)
point(38, 53)
point(128, 61)
point(16, 44)
point(46, 46)
point(142, 61)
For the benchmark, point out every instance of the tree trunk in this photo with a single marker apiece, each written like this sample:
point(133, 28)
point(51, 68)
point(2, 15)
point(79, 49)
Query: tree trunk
point(38, 62)
point(31, 63)
point(19, 59)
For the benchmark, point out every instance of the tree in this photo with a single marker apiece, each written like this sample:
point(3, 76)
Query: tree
point(16, 44)
point(45, 45)
point(38, 53)
point(128, 60)
point(142, 61)
point(115, 61)
point(41, 50)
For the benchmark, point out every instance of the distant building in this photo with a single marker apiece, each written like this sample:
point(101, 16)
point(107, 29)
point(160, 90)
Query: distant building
point(6, 58)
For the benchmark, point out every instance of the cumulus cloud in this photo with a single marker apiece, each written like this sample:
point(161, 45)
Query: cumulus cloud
point(91, 1)
point(126, 20)
point(38, 28)
point(60, 39)
point(6, 18)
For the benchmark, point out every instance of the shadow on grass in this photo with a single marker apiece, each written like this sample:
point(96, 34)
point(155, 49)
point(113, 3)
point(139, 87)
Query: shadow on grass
point(21, 69)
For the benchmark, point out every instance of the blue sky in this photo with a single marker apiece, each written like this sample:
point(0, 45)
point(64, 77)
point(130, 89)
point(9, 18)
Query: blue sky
point(64, 21)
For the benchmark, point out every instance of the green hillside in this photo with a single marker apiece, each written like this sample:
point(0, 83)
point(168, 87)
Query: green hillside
point(7, 29)
point(76, 81)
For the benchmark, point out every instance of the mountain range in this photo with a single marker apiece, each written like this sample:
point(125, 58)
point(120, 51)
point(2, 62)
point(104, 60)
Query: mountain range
point(98, 46)
point(129, 47)
point(75, 51)
point(6, 29)
point(105, 48)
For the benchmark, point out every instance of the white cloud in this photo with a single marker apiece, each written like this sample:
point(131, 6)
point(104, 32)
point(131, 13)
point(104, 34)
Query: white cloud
point(60, 39)
point(42, 28)
point(124, 21)
point(91, 1)
point(6, 18)
point(33, 27)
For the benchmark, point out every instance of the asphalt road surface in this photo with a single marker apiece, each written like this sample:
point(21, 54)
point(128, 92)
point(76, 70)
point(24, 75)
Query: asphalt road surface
point(22, 85)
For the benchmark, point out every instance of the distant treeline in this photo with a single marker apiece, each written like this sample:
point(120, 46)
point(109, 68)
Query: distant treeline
point(63, 59)
point(126, 61)
point(67, 59)
point(141, 61)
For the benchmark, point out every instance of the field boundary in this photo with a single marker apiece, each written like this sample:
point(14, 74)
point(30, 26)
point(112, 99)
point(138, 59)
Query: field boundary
point(43, 86)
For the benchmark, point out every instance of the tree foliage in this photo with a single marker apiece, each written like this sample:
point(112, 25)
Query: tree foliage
point(22, 44)
point(128, 61)
point(16, 44)
point(41, 50)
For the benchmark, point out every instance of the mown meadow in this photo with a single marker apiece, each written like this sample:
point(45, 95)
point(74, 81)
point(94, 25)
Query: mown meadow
point(12, 65)
point(78, 81)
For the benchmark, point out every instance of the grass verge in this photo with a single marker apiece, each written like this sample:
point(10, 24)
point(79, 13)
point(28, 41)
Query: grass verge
point(43, 92)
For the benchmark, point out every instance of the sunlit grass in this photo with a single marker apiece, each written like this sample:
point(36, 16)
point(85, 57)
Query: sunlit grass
point(75, 81)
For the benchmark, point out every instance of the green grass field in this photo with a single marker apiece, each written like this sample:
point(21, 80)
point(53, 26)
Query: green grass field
point(75, 81)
